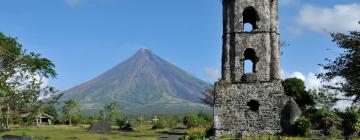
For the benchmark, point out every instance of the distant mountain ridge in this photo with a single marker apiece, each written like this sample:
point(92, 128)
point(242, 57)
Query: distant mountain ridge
point(143, 84)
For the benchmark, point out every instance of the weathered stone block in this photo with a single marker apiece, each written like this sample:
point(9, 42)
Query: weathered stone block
point(249, 108)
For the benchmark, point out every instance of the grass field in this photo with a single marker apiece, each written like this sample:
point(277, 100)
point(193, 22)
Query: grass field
point(283, 138)
point(62, 132)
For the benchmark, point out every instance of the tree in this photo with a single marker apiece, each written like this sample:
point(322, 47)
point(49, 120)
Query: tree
point(70, 110)
point(42, 106)
point(350, 122)
point(111, 111)
point(346, 65)
point(21, 76)
point(325, 119)
point(295, 88)
point(324, 98)
point(50, 106)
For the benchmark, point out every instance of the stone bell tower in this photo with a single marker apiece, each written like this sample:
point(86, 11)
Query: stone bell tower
point(249, 103)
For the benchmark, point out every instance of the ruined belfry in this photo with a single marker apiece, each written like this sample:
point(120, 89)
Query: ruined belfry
point(249, 103)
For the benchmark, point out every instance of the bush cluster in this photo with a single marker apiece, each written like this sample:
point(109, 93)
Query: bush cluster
point(202, 119)
point(331, 122)
point(302, 126)
point(161, 124)
point(199, 126)
point(196, 133)
point(122, 123)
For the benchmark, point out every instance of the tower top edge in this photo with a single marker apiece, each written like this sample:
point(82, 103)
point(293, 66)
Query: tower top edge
point(248, 0)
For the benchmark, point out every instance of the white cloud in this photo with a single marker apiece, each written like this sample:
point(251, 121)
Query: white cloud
point(212, 73)
point(312, 82)
point(340, 18)
point(44, 81)
point(299, 75)
point(27, 79)
point(343, 104)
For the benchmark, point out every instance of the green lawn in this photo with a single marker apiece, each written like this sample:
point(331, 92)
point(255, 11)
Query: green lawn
point(61, 132)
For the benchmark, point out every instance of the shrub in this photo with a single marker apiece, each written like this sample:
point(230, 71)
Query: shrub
point(88, 120)
point(172, 121)
point(122, 123)
point(161, 124)
point(57, 122)
point(191, 120)
point(302, 126)
point(207, 119)
point(335, 132)
point(17, 120)
point(196, 133)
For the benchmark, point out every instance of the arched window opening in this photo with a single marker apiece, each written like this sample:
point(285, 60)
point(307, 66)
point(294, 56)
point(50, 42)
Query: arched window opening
point(250, 61)
point(248, 66)
point(250, 16)
point(248, 27)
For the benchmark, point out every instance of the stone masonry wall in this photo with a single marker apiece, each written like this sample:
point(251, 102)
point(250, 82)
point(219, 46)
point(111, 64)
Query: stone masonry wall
point(250, 104)
point(264, 39)
point(234, 116)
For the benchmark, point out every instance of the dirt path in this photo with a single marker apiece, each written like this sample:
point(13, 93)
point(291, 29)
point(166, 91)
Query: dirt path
point(175, 134)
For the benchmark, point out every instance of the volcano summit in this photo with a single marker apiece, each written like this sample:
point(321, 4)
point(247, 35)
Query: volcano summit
point(143, 84)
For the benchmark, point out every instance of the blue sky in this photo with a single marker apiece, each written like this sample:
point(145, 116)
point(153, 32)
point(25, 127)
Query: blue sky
point(84, 38)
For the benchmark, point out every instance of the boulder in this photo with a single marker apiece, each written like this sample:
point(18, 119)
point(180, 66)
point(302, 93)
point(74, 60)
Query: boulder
point(290, 113)
point(100, 126)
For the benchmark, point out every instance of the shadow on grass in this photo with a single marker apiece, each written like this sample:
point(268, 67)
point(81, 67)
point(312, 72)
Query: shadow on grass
point(173, 133)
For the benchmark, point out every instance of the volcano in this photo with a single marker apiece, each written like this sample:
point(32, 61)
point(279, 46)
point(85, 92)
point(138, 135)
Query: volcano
point(143, 84)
